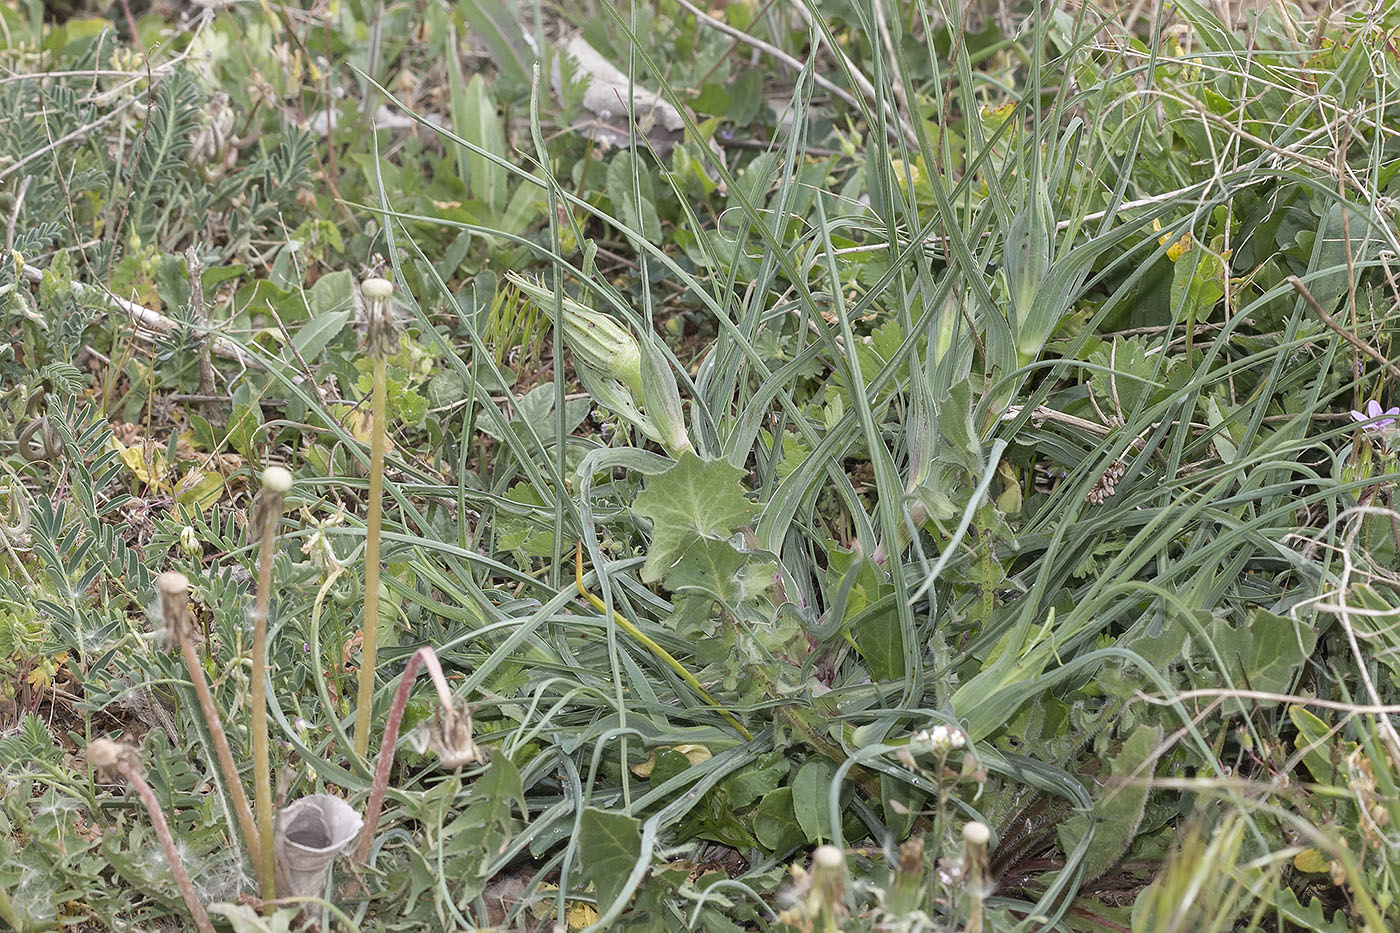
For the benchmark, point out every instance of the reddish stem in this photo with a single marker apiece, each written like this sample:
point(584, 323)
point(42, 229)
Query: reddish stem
point(148, 797)
point(386, 749)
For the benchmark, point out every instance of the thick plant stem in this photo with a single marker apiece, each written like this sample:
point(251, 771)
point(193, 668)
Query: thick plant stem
point(275, 486)
point(182, 878)
point(174, 588)
point(244, 813)
point(110, 756)
point(369, 649)
point(385, 760)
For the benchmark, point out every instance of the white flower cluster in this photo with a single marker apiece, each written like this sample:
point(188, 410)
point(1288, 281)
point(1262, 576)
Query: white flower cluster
point(941, 739)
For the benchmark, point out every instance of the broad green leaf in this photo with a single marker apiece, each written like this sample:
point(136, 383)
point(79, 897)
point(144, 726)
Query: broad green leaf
point(609, 845)
point(712, 99)
point(1266, 649)
point(245, 919)
point(1198, 282)
point(1119, 806)
point(750, 782)
point(774, 822)
point(1315, 740)
point(745, 97)
point(1130, 384)
point(475, 120)
point(810, 800)
point(881, 643)
point(734, 578)
point(692, 500)
point(641, 218)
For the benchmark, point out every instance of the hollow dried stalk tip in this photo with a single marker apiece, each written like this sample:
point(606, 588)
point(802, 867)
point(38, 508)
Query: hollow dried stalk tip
point(174, 589)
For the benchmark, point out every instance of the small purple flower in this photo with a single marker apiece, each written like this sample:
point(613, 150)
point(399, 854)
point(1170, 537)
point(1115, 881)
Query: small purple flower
point(1374, 418)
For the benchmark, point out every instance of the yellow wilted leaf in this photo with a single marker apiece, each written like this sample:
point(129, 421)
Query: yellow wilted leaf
point(1310, 860)
point(199, 489)
point(151, 472)
point(580, 915)
point(577, 914)
point(898, 166)
point(693, 754)
point(361, 426)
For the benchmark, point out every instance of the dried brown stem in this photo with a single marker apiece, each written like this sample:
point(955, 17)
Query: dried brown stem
point(110, 756)
point(174, 591)
point(1342, 332)
point(386, 750)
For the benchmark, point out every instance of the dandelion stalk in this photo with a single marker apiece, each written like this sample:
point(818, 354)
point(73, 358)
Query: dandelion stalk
point(275, 484)
point(380, 342)
point(975, 838)
point(424, 656)
point(828, 888)
point(106, 755)
point(174, 590)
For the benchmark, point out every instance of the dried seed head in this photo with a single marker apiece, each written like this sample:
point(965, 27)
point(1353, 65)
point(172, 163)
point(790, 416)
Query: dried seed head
point(109, 756)
point(828, 895)
point(977, 834)
point(450, 736)
point(381, 327)
point(1107, 484)
point(174, 589)
point(827, 858)
point(377, 289)
point(277, 480)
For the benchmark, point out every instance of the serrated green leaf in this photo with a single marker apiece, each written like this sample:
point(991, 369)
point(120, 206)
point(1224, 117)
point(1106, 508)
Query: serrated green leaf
point(693, 500)
point(609, 845)
point(1266, 650)
point(736, 579)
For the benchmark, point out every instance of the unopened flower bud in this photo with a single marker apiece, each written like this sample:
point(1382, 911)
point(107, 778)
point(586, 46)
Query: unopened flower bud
point(594, 338)
point(190, 543)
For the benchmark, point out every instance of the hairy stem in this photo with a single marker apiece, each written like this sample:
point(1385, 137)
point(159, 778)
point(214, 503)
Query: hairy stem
point(370, 646)
point(273, 493)
point(385, 761)
point(221, 750)
point(110, 756)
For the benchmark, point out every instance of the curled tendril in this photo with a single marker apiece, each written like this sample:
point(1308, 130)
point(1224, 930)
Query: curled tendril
point(14, 517)
point(50, 446)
